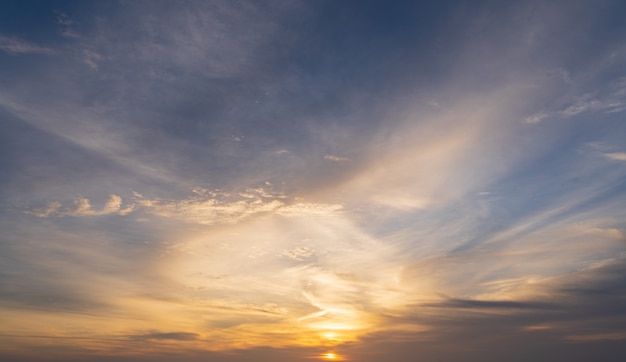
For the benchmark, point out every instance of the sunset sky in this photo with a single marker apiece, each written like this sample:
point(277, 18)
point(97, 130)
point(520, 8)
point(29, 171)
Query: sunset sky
point(296, 181)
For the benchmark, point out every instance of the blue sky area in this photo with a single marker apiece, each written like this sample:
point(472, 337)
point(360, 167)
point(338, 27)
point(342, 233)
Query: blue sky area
point(313, 180)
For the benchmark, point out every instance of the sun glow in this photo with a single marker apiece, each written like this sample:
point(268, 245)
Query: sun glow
point(332, 356)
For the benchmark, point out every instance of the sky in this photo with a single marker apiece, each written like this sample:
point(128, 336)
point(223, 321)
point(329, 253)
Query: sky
point(298, 181)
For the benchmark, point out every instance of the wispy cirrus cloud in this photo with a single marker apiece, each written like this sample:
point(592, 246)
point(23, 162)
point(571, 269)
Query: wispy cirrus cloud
point(17, 46)
point(610, 98)
point(616, 156)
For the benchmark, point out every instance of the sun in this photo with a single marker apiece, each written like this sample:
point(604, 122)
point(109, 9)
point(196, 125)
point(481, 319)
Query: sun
point(330, 356)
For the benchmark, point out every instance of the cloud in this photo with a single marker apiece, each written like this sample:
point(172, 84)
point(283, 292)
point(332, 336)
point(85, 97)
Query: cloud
point(578, 107)
point(581, 106)
point(113, 205)
point(336, 158)
point(447, 220)
point(170, 336)
point(299, 253)
point(17, 46)
point(91, 58)
point(309, 209)
point(431, 157)
point(207, 207)
point(210, 207)
point(147, 52)
point(51, 209)
point(537, 117)
point(609, 98)
point(616, 156)
point(490, 304)
point(209, 211)
point(205, 37)
point(82, 207)
point(67, 26)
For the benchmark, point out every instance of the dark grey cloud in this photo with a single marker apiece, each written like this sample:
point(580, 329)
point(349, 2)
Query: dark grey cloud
point(586, 312)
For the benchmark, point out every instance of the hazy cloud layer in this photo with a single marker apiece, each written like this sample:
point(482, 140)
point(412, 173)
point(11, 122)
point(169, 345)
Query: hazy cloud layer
point(356, 180)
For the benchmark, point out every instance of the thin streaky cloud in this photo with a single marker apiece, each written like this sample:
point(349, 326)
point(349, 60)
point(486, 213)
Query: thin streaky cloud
point(17, 46)
point(617, 156)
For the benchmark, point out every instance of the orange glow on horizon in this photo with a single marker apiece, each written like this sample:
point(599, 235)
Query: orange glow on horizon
point(331, 356)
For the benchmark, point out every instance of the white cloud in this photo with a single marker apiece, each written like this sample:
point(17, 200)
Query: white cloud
point(610, 100)
point(537, 117)
point(82, 207)
point(336, 158)
point(91, 58)
point(113, 205)
point(66, 24)
point(51, 209)
point(216, 209)
point(582, 106)
point(206, 207)
point(577, 107)
point(209, 211)
point(299, 253)
point(13, 45)
point(308, 209)
point(617, 156)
